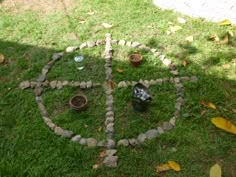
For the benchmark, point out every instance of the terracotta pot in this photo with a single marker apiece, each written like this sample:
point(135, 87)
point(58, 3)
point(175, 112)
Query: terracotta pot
point(79, 102)
point(135, 59)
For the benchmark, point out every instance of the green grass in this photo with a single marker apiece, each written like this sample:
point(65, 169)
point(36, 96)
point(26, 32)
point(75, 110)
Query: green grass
point(28, 39)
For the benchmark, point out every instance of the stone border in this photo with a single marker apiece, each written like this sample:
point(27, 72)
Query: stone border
point(110, 159)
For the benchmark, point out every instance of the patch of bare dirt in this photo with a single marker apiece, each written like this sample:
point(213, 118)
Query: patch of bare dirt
point(45, 6)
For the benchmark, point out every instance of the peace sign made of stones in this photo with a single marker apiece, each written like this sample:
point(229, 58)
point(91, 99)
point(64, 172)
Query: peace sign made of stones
point(111, 158)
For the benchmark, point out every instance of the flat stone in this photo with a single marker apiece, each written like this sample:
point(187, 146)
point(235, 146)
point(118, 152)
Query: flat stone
point(109, 91)
point(133, 141)
point(147, 83)
point(101, 143)
point(110, 114)
point(194, 79)
point(135, 44)
point(83, 141)
point(44, 71)
point(172, 121)
point(141, 138)
point(153, 50)
point(110, 128)
point(167, 126)
point(123, 142)
point(57, 56)
point(83, 45)
point(97, 84)
point(42, 109)
point(100, 42)
point(174, 72)
point(109, 103)
point(128, 43)
point(91, 142)
point(159, 81)
point(144, 47)
point(71, 49)
point(65, 83)
point(176, 80)
point(184, 78)
point(153, 82)
point(109, 120)
point(160, 130)
point(178, 86)
point(165, 79)
point(111, 152)
point(67, 134)
point(76, 138)
point(180, 100)
point(89, 84)
point(110, 108)
point(45, 83)
point(38, 99)
point(162, 57)
point(122, 42)
point(153, 133)
point(114, 41)
point(32, 84)
point(110, 161)
point(157, 54)
point(76, 84)
point(134, 83)
point(50, 124)
point(122, 84)
point(25, 85)
point(110, 144)
point(83, 85)
point(59, 85)
point(166, 62)
point(53, 84)
point(38, 91)
point(91, 44)
point(41, 78)
point(58, 131)
point(178, 106)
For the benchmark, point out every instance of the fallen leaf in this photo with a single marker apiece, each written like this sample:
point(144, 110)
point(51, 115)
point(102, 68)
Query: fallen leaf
point(95, 166)
point(189, 38)
point(214, 37)
point(176, 28)
point(224, 124)
point(100, 128)
point(203, 112)
point(225, 22)
point(175, 166)
point(102, 154)
point(208, 105)
point(82, 21)
point(119, 70)
point(215, 171)
point(185, 63)
point(234, 110)
point(226, 66)
point(107, 25)
point(1, 58)
point(230, 33)
point(181, 20)
point(111, 84)
point(163, 167)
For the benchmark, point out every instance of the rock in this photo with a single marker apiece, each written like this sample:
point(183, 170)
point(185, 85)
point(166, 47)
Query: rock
point(110, 98)
point(110, 108)
point(57, 56)
point(89, 84)
point(135, 44)
point(51, 125)
point(153, 82)
point(76, 138)
point(162, 57)
point(100, 42)
point(194, 79)
point(44, 71)
point(41, 78)
point(38, 91)
point(108, 91)
point(153, 133)
point(165, 79)
point(38, 99)
point(33, 84)
point(76, 84)
point(101, 143)
point(45, 83)
point(83, 141)
point(110, 144)
point(59, 85)
point(160, 130)
point(83, 45)
point(133, 141)
point(110, 128)
point(134, 83)
point(179, 86)
point(173, 149)
point(128, 43)
point(91, 142)
point(58, 131)
point(153, 50)
point(122, 42)
point(25, 85)
point(167, 126)
point(110, 161)
point(141, 138)
point(147, 83)
point(97, 84)
point(172, 121)
point(166, 62)
point(123, 142)
point(178, 106)
point(157, 54)
point(91, 44)
point(159, 81)
point(144, 47)
point(122, 84)
point(180, 100)
point(111, 152)
point(53, 84)
point(175, 72)
point(71, 49)
point(67, 134)
point(176, 80)
point(184, 78)
point(110, 114)
point(83, 85)
point(109, 103)
point(114, 41)
point(42, 109)
point(65, 83)
point(109, 120)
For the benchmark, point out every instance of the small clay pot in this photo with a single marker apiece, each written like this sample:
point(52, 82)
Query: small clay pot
point(135, 59)
point(79, 102)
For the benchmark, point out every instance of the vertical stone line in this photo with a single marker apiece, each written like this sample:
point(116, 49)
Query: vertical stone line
point(111, 158)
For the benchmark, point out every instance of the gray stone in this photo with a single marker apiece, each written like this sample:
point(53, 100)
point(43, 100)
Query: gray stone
point(135, 44)
point(122, 84)
point(134, 83)
point(122, 42)
point(83, 141)
point(76, 138)
point(165, 79)
point(50, 124)
point(172, 121)
point(147, 83)
point(109, 91)
point(41, 78)
point(65, 83)
point(97, 84)
point(162, 57)
point(83, 85)
point(159, 81)
point(71, 49)
point(179, 86)
point(101, 143)
point(83, 45)
point(24, 85)
point(110, 128)
point(91, 44)
point(109, 120)
point(38, 99)
point(141, 138)
point(133, 141)
point(110, 108)
point(110, 144)
point(184, 78)
point(45, 83)
point(38, 91)
point(194, 79)
point(100, 42)
point(89, 84)
point(91, 142)
point(166, 62)
point(111, 152)
point(123, 142)
point(57, 56)
point(153, 133)
point(53, 84)
point(110, 161)
point(153, 82)
point(178, 106)
point(67, 134)
point(180, 100)
point(42, 109)
point(109, 103)
point(173, 149)
point(109, 114)
point(59, 85)
point(160, 130)
point(33, 84)
point(58, 131)
point(167, 126)
point(176, 80)
point(76, 84)
point(128, 43)
point(175, 72)
point(144, 47)
point(44, 71)
point(114, 41)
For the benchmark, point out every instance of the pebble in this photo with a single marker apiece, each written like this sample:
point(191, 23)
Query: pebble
point(141, 138)
point(159, 81)
point(83, 85)
point(135, 44)
point(110, 128)
point(76, 138)
point(153, 50)
point(153, 82)
point(122, 84)
point(153, 133)
point(194, 79)
point(110, 144)
point(42, 109)
point(167, 126)
point(176, 80)
point(97, 84)
point(172, 121)
point(33, 84)
point(109, 120)
point(83, 141)
point(46, 83)
point(180, 100)
point(83, 45)
point(114, 41)
point(109, 103)
point(166, 62)
point(122, 42)
point(144, 47)
point(110, 114)
point(110, 108)
point(91, 44)
point(101, 143)
point(65, 83)
point(173, 149)
point(59, 85)
point(44, 71)
point(76, 84)
point(100, 42)
point(123, 142)
point(71, 49)
point(38, 91)
point(25, 85)
point(58, 131)
point(178, 106)
point(160, 130)
point(91, 142)
point(133, 142)
point(110, 161)
point(128, 43)
point(57, 56)
point(53, 84)
point(184, 78)
point(162, 57)
point(89, 84)
point(51, 125)
point(175, 72)
point(67, 134)
point(41, 78)
point(111, 152)
point(157, 54)
point(134, 83)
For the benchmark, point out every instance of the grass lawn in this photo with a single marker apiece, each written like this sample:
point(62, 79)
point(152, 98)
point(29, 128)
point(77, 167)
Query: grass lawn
point(29, 35)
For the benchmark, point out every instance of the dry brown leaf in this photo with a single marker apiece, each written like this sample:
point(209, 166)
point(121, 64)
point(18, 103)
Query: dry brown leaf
point(119, 70)
point(189, 38)
point(208, 105)
point(234, 110)
point(107, 25)
point(225, 22)
point(102, 154)
point(225, 40)
point(185, 63)
point(163, 167)
point(1, 58)
point(175, 166)
point(203, 112)
point(215, 171)
point(224, 124)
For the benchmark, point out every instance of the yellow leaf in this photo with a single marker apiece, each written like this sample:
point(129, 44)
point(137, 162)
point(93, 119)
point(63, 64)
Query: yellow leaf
point(176, 28)
point(163, 167)
point(225, 22)
point(185, 63)
point(224, 124)
point(1, 58)
point(119, 70)
point(230, 33)
point(175, 166)
point(189, 38)
point(215, 171)
point(208, 105)
point(106, 25)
